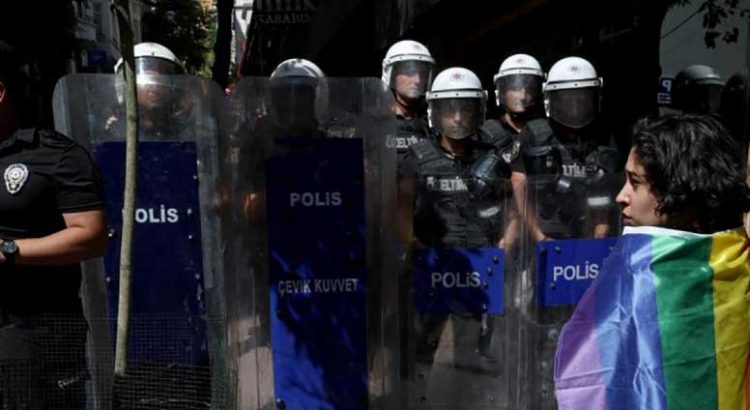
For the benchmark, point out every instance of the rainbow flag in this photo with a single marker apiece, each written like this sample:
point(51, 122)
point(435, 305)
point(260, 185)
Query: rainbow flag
point(665, 325)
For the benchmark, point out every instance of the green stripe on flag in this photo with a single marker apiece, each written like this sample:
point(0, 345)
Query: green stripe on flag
point(684, 296)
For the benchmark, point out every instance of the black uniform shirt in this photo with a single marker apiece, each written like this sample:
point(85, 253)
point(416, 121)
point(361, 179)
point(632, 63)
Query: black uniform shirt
point(60, 178)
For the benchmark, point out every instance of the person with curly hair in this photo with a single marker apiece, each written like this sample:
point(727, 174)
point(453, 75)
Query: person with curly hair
point(684, 172)
point(666, 323)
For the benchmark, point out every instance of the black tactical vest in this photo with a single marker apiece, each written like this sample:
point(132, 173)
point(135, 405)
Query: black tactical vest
point(566, 179)
point(446, 213)
point(408, 133)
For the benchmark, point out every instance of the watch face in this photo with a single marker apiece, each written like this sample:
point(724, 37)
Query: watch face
point(8, 247)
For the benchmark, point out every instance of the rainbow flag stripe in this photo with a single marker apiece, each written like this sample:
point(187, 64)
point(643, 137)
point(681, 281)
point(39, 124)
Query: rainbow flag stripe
point(666, 325)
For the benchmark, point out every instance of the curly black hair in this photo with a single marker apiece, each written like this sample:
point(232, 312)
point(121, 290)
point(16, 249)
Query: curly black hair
point(693, 167)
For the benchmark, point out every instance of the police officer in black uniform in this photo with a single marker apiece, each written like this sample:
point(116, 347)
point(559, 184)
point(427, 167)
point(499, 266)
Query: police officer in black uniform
point(457, 174)
point(569, 160)
point(518, 94)
point(51, 218)
point(294, 94)
point(407, 70)
point(287, 111)
point(160, 103)
point(571, 168)
point(461, 191)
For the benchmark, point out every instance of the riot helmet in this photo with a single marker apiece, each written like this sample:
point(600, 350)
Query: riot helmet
point(154, 58)
point(159, 96)
point(297, 93)
point(518, 86)
point(734, 106)
point(456, 103)
point(572, 92)
point(697, 90)
point(408, 68)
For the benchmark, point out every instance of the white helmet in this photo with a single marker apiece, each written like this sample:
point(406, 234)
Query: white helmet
point(519, 72)
point(572, 92)
point(456, 90)
point(297, 67)
point(408, 57)
point(299, 93)
point(572, 72)
point(153, 62)
point(519, 64)
point(154, 58)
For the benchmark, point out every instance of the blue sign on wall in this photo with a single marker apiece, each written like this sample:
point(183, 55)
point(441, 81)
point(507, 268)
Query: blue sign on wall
point(664, 95)
point(168, 306)
point(460, 280)
point(567, 268)
point(317, 272)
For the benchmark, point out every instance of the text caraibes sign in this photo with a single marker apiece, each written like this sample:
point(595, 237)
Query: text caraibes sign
point(283, 12)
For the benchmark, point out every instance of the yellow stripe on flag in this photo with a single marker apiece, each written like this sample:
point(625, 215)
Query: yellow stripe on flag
point(729, 261)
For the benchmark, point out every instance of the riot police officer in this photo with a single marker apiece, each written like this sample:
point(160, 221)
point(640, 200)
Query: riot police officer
point(158, 102)
point(295, 99)
point(461, 199)
point(302, 186)
point(697, 90)
point(571, 166)
point(518, 94)
point(456, 173)
point(168, 111)
point(570, 158)
point(407, 70)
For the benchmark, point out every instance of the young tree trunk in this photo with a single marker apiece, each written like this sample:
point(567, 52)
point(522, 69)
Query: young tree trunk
point(122, 10)
point(223, 45)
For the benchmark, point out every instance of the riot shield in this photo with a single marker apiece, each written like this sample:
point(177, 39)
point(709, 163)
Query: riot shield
point(579, 216)
point(177, 346)
point(454, 325)
point(310, 244)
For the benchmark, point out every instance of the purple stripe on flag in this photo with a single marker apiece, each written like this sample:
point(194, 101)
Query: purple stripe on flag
point(609, 354)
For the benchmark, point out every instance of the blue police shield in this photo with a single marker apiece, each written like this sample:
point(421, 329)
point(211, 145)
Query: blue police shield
point(457, 241)
point(310, 190)
point(177, 344)
point(573, 222)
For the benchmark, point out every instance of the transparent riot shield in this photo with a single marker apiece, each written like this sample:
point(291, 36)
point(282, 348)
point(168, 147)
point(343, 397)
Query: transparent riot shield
point(578, 214)
point(455, 332)
point(177, 347)
point(311, 243)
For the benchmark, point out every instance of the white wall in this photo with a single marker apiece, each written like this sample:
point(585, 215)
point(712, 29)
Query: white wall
point(685, 45)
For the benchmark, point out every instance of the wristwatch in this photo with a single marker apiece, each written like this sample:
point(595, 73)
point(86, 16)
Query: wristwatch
point(9, 249)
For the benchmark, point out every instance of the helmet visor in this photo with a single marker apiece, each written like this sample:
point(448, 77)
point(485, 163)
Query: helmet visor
point(456, 118)
point(293, 101)
point(574, 107)
point(156, 65)
point(518, 93)
point(702, 99)
point(412, 79)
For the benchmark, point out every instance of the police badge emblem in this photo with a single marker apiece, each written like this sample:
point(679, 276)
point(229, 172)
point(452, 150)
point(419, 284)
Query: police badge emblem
point(15, 177)
point(512, 152)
